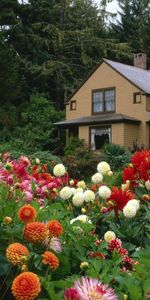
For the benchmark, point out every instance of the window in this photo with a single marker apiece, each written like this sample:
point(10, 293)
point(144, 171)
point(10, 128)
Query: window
point(99, 136)
point(137, 98)
point(103, 101)
point(73, 105)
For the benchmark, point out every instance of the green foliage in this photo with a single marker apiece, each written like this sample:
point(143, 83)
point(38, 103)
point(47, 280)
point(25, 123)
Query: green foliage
point(37, 131)
point(79, 159)
point(116, 155)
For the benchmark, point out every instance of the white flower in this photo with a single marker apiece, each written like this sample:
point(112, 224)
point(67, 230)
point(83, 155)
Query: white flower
point(104, 192)
point(59, 170)
point(147, 184)
point(97, 178)
point(65, 193)
point(103, 167)
point(89, 196)
point(82, 218)
point(109, 236)
point(73, 190)
point(135, 203)
point(129, 211)
point(78, 190)
point(78, 199)
point(37, 161)
point(81, 184)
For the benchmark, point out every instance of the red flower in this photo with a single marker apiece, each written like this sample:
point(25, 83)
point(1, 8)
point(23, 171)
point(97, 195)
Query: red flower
point(140, 157)
point(119, 199)
point(26, 286)
point(129, 173)
point(114, 245)
point(27, 213)
point(48, 258)
point(35, 232)
point(54, 228)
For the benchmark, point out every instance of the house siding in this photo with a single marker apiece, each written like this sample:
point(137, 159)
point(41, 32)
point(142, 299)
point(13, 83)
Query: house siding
point(106, 77)
point(118, 134)
point(84, 133)
point(131, 135)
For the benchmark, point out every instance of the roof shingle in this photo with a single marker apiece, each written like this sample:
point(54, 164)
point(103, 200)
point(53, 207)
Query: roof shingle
point(99, 119)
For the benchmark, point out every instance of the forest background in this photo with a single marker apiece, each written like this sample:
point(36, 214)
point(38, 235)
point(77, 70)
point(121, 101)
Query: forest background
point(47, 47)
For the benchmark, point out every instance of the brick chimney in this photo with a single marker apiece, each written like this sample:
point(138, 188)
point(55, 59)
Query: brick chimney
point(140, 61)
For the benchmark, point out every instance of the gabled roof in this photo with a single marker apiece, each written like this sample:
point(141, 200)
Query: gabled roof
point(98, 119)
point(137, 76)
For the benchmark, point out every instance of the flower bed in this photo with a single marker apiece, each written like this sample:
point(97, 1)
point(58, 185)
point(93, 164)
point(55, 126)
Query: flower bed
point(67, 239)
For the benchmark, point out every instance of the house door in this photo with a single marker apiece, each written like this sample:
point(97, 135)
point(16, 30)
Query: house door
point(99, 136)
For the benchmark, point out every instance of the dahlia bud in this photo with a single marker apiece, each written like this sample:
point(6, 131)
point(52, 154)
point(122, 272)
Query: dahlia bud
point(110, 203)
point(24, 259)
point(145, 197)
point(71, 182)
point(84, 265)
point(7, 220)
point(83, 210)
point(125, 297)
point(110, 173)
point(104, 209)
point(24, 268)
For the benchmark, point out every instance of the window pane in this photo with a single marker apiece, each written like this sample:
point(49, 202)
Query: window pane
point(110, 100)
point(99, 137)
point(97, 101)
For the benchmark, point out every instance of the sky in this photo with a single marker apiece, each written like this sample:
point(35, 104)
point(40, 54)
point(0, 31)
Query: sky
point(112, 6)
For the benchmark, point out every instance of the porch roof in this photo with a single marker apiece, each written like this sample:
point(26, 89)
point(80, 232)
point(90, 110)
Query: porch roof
point(98, 119)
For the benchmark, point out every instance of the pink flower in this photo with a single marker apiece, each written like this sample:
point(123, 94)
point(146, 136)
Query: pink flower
point(24, 160)
point(71, 294)
point(90, 289)
point(28, 196)
point(55, 244)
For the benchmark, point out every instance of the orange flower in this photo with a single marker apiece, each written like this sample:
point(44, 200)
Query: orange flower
point(27, 213)
point(54, 228)
point(50, 259)
point(15, 252)
point(26, 286)
point(35, 232)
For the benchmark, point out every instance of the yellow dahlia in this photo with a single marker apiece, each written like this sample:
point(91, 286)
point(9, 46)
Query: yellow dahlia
point(35, 232)
point(50, 259)
point(27, 213)
point(26, 286)
point(15, 252)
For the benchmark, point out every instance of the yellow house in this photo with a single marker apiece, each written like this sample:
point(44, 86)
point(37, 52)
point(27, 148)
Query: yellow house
point(111, 105)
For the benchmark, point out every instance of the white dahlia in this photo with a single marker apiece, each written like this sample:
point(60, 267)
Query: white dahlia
point(104, 192)
point(103, 167)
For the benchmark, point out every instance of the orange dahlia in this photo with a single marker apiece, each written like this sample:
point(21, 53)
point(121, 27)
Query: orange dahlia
point(15, 252)
point(26, 286)
point(27, 213)
point(55, 229)
point(35, 232)
point(50, 259)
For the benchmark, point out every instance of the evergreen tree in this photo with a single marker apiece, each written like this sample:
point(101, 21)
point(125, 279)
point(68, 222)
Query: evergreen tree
point(134, 25)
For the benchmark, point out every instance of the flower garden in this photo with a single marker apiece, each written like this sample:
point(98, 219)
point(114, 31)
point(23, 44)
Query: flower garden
point(61, 238)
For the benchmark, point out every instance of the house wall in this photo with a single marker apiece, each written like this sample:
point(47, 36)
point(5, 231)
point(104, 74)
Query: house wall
point(84, 133)
point(131, 135)
point(118, 134)
point(106, 77)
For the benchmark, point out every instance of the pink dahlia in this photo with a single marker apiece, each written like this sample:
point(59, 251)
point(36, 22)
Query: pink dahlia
point(93, 289)
point(71, 294)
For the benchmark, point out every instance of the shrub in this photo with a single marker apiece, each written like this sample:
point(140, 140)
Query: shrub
point(116, 155)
